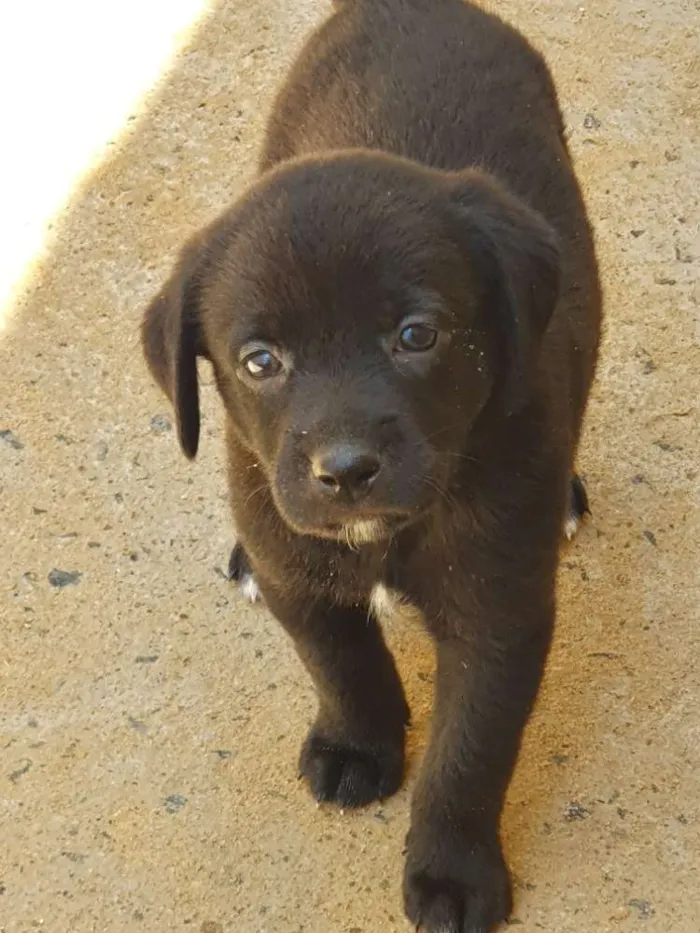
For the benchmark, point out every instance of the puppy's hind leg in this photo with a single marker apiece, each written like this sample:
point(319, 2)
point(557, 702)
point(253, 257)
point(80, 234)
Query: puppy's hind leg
point(240, 571)
point(578, 507)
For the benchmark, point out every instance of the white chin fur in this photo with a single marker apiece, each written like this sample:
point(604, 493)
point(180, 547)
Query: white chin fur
point(365, 531)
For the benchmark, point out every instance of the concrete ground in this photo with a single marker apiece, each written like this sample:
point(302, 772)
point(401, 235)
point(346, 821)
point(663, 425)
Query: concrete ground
point(149, 719)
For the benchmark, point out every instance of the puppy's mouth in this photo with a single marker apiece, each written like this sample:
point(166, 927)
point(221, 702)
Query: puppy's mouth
point(360, 532)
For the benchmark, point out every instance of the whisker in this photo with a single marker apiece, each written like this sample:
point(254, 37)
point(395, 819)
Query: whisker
point(468, 457)
point(448, 427)
point(450, 500)
point(258, 489)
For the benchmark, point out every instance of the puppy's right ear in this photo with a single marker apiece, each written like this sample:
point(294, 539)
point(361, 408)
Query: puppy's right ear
point(172, 339)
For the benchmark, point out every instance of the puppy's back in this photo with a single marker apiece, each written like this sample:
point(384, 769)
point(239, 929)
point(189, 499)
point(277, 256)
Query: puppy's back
point(438, 81)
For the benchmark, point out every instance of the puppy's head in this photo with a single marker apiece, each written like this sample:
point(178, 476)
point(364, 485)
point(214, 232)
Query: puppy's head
point(359, 312)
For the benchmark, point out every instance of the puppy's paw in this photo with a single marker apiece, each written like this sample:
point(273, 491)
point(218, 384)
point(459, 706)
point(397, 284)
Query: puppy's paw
point(578, 507)
point(456, 885)
point(240, 571)
point(351, 775)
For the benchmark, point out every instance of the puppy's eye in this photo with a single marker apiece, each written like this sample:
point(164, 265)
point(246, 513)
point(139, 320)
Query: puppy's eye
point(261, 364)
point(417, 338)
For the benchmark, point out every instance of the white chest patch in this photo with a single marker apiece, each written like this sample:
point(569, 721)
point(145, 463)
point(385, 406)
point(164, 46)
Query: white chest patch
point(385, 603)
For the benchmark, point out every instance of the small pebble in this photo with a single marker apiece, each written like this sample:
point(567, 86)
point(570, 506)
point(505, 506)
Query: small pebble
point(19, 772)
point(620, 913)
point(62, 578)
point(175, 802)
point(591, 122)
point(160, 424)
point(666, 447)
point(10, 439)
point(644, 907)
point(575, 811)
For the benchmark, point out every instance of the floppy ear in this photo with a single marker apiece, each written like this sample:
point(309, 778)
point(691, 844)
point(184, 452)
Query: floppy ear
point(171, 337)
point(515, 256)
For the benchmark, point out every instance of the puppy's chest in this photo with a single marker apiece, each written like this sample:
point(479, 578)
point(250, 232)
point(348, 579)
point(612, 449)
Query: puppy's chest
point(343, 575)
point(364, 579)
point(371, 576)
point(391, 576)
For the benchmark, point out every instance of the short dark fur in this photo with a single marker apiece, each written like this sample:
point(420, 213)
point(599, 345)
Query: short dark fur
point(415, 169)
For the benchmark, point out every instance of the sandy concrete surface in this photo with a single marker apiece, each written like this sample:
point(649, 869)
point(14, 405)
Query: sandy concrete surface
point(150, 720)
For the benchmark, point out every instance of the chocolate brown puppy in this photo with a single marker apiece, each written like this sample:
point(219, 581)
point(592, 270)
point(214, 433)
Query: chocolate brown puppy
point(402, 314)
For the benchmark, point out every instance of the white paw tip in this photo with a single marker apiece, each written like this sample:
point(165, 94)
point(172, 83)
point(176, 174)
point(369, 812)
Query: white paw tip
point(571, 526)
point(249, 588)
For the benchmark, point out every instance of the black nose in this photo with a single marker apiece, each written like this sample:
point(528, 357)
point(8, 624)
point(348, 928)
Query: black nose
point(346, 469)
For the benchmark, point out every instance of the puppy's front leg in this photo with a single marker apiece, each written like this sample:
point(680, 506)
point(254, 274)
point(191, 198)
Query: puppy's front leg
point(354, 752)
point(456, 879)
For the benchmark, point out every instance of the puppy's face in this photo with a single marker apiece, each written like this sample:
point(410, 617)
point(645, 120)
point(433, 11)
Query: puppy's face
point(355, 313)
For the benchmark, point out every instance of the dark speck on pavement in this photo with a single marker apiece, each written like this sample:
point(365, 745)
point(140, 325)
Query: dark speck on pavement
point(175, 802)
point(63, 578)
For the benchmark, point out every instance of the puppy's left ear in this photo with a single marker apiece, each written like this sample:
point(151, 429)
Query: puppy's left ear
point(514, 255)
point(172, 339)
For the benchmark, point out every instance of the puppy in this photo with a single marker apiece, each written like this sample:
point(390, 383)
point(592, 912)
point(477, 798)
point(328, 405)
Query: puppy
point(402, 314)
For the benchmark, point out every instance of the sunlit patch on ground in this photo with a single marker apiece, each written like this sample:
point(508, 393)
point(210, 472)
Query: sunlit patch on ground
point(71, 76)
